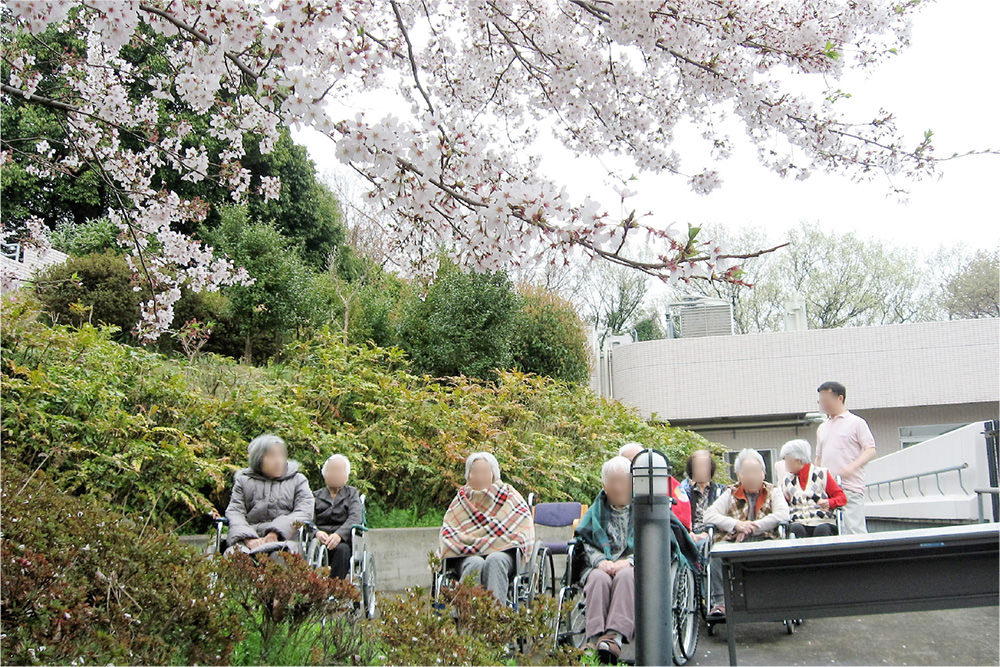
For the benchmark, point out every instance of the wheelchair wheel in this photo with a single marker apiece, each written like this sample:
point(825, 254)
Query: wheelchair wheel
point(685, 612)
point(541, 575)
point(368, 586)
point(572, 621)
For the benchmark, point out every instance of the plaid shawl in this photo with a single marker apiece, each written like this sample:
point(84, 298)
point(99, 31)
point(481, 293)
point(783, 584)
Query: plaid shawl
point(487, 521)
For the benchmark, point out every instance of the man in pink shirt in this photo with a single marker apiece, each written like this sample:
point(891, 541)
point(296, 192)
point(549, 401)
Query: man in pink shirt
point(844, 445)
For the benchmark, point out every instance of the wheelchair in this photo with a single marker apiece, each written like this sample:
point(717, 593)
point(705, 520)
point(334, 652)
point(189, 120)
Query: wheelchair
point(361, 570)
point(528, 581)
point(571, 609)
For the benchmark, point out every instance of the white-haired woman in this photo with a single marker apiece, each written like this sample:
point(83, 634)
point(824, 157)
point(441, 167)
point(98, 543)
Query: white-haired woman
point(269, 497)
point(338, 508)
point(751, 509)
point(487, 518)
point(609, 575)
point(811, 491)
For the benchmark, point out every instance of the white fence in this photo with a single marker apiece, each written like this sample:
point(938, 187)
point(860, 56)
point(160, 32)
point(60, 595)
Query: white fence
point(22, 262)
point(935, 479)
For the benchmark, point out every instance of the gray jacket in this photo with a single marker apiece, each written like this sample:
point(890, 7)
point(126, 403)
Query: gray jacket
point(260, 505)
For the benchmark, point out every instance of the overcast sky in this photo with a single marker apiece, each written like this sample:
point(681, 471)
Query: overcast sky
point(945, 82)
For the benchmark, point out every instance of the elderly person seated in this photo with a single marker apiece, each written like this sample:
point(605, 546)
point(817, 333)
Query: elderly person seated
point(269, 498)
point(701, 490)
point(487, 518)
point(811, 492)
point(681, 505)
point(749, 510)
point(338, 508)
point(609, 574)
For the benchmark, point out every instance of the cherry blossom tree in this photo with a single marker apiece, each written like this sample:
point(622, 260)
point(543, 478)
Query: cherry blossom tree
point(455, 161)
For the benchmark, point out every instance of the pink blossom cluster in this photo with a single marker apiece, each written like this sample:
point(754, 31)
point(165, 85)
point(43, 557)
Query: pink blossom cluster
point(456, 162)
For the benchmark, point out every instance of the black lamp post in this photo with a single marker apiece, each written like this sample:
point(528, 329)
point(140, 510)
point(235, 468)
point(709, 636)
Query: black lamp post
point(653, 611)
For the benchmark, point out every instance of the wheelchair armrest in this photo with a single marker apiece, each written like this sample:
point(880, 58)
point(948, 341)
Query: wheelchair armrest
point(361, 528)
point(221, 521)
point(783, 529)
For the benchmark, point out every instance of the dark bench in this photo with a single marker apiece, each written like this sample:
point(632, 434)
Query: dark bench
point(855, 575)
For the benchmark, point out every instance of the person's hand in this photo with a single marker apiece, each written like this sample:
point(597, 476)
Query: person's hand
point(825, 503)
point(621, 565)
point(744, 527)
point(253, 542)
point(333, 540)
point(271, 537)
point(607, 566)
point(699, 536)
point(322, 536)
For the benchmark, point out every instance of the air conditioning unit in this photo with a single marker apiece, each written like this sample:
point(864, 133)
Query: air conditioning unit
point(693, 317)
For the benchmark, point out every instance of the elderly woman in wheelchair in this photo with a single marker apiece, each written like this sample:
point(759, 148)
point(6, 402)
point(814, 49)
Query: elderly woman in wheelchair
point(338, 511)
point(488, 534)
point(812, 493)
point(270, 497)
point(605, 533)
point(750, 510)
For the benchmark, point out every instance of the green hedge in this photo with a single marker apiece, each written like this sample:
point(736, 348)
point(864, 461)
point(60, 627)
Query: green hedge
point(161, 437)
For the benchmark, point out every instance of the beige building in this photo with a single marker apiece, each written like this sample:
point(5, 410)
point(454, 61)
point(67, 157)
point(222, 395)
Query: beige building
point(909, 381)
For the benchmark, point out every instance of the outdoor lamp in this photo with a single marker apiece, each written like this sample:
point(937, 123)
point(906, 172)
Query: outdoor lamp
point(650, 475)
point(651, 534)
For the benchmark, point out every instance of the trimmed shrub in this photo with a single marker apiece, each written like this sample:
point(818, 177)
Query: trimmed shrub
point(463, 326)
point(101, 284)
point(549, 337)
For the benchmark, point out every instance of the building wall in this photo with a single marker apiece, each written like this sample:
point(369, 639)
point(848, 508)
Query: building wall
point(884, 423)
point(926, 363)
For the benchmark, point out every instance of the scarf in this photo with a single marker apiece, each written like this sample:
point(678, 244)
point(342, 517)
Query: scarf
point(591, 528)
point(492, 520)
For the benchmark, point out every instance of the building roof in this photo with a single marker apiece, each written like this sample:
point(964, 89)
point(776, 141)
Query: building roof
point(900, 365)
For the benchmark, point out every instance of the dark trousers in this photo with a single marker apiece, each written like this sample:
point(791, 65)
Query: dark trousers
point(340, 560)
point(819, 530)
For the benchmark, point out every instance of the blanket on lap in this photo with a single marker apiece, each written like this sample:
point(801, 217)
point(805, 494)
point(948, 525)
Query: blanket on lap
point(482, 522)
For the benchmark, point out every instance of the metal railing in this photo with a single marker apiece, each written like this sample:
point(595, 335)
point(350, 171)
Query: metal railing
point(916, 476)
point(990, 490)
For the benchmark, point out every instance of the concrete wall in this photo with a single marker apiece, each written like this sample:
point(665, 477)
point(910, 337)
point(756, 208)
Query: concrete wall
point(401, 553)
point(950, 497)
point(897, 366)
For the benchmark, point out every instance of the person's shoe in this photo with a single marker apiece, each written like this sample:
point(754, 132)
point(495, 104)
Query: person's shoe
point(718, 611)
point(608, 649)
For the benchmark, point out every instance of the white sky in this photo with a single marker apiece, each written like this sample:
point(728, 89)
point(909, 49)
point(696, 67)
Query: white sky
point(944, 82)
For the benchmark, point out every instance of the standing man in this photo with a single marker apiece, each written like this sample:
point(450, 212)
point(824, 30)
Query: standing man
point(844, 445)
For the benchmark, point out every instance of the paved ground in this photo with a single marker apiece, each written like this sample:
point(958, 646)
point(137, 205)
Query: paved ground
point(953, 637)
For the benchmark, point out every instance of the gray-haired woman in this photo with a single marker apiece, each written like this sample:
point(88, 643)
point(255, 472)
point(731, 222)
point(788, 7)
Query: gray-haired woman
point(751, 509)
point(338, 508)
point(269, 497)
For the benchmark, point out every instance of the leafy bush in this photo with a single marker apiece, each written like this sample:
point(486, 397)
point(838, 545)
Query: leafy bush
point(549, 337)
point(161, 437)
point(83, 584)
point(463, 326)
point(93, 236)
point(100, 283)
point(468, 627)
point(293, 614)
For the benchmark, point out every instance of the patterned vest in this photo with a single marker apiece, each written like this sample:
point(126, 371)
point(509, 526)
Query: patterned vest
point(739, 510)
point(803, 504)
